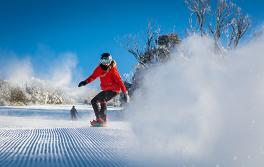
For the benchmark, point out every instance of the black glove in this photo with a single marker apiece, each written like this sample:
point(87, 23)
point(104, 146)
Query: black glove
point(126, 97)
point(82, 83)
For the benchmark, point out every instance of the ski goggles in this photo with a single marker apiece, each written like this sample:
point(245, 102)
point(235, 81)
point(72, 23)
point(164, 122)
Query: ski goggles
point(106, 61)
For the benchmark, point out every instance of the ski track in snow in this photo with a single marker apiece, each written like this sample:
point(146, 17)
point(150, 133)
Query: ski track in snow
point(67, 147)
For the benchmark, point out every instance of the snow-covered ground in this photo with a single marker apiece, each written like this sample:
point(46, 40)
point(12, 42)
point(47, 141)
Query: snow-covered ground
point(45, 136)
point(52, 116)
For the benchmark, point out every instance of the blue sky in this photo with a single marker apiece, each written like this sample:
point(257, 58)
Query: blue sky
point(30, 28)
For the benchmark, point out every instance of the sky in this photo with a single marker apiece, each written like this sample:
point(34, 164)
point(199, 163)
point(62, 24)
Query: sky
point(43, 29)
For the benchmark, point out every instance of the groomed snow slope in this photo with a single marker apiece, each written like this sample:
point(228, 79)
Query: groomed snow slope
point(34, 140)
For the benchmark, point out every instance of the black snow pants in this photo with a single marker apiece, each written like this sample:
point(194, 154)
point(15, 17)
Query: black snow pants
point(102, 98)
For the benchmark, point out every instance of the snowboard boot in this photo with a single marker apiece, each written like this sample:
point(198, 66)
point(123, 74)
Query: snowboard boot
point(98, 123)
point(93, 122)
point(104, 118)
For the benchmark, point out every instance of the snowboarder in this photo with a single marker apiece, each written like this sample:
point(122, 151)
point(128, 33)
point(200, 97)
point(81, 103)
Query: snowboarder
point(73, 113)
point(111, 83)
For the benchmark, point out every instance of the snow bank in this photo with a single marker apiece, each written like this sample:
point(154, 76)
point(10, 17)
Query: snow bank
point(202, 109)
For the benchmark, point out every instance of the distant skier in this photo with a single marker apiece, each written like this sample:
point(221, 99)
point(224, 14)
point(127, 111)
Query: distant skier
point(73, 113)
point(111, 84)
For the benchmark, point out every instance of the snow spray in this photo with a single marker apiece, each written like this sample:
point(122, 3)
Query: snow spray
point(202, 108)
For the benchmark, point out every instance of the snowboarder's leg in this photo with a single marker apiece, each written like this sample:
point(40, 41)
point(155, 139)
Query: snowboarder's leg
point(95, 101)
point(102, 110)
point(72, 116)
point(102, 98)
point(108, 95)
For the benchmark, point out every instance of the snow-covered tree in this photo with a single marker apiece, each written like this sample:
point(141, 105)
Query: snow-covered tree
point(36, 91)
point(156, 49)
point(227, 22)
point(222, 18)
point(240, 24)
point(199, 9)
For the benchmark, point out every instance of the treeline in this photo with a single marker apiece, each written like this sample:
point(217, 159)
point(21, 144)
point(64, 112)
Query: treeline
point(224, 22)
point(31, 93)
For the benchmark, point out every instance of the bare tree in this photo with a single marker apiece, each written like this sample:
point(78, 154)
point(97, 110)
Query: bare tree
point(200, 8)
point(229, 20)
point(132, 46)
point(223, 18)
point(153, 32)
point(240, 24)
point(144, 55)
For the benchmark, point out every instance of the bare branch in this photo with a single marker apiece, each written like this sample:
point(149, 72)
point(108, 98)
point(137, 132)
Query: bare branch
point(223, 18)
point(240, 24)
point(143, 53)
point(200, 8)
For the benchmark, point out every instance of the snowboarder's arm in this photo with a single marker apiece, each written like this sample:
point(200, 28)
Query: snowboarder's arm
point(97, 72)
point(119, 81)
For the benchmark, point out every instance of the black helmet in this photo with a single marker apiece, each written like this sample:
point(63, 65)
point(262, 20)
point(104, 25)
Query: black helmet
point(106, 59)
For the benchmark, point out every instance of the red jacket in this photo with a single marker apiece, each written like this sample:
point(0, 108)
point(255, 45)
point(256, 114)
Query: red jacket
point(110, 79)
